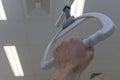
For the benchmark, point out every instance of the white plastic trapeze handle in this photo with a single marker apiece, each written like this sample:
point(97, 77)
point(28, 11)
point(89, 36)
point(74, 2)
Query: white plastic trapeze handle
point(105, 32)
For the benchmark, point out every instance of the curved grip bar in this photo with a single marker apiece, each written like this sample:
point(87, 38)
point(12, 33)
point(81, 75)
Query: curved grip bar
point(105, 32)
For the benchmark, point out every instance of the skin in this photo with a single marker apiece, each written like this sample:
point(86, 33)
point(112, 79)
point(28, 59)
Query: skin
point(71, 59)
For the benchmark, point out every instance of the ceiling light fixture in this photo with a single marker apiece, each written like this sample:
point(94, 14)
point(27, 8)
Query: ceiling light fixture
point(2, 12)
point(13, 58)
point(77, 8)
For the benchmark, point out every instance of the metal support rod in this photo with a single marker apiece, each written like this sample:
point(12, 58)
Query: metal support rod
point(62, 16)
point(67, 12)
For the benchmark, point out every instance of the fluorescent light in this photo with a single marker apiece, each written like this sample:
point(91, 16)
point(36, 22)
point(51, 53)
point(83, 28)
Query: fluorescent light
point(2, 12)
point(77, 8)
point(14, 61)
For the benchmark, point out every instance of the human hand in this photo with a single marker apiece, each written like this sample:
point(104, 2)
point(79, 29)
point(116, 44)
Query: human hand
point(71, 53)
point(71, 58)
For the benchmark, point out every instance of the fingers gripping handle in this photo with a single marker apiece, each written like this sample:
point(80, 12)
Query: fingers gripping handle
point(105, 32)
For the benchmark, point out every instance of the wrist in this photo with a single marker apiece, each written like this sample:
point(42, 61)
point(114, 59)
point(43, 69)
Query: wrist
point(69, 73)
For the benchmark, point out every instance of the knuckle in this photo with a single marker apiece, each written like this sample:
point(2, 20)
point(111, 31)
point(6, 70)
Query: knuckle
point(57, 48)
point(91, 56)
point(65, 41)
point(76, 39)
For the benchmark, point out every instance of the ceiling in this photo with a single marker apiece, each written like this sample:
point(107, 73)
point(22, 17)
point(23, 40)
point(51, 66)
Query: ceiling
point(31, 37)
